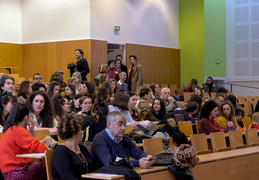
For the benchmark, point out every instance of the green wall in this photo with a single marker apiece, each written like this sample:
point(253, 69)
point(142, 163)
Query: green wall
point(191, 39)
point(215, 38)
point(202, 39)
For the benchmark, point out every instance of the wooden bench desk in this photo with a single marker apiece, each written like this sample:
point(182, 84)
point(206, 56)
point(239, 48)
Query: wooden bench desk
point(235, 164)
point(153, 173)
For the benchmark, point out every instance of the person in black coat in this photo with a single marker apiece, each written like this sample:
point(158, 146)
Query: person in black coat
point(81, 64)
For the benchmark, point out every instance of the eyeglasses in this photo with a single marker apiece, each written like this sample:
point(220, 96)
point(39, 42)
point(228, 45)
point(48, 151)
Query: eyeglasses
point(37, 78)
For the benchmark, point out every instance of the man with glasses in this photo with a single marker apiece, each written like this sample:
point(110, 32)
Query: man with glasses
point(37, 78)
point(112, 141)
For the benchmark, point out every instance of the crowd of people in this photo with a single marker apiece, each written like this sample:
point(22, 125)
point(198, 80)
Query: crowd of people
point(83, 112)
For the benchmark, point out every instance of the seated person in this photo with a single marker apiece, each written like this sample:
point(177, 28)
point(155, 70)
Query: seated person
point(227, 114)
point(70, 160)
point(190, 112)
point(170, 102)
point(18, 140)
point(240, 114)
point(157, 112)
point(112, 141)
point(191, 85)
point(208, 125)
point(255, 121)
point(39, 87)
point(219, 99)
point(143, 102)
point(121, 85)
point(209, 86)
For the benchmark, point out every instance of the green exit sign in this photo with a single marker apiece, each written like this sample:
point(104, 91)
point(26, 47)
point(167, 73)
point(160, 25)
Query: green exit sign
point(117, 28)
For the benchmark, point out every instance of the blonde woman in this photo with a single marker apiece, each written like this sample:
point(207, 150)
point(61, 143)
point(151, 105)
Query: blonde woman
point(255, 121)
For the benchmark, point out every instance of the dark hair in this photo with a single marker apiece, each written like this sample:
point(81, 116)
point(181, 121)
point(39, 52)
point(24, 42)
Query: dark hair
point(81, 51)
point(16, 115)
point(106, 85)
point(58, 102)
point(5, 98)
point(100, 110)
point(118, 56)
point(232, 99)
point(3, 79)
point(24, 89)
point(143, 91)
point(77, 96)
point(51, 88)
point(55, 78)
point(153, 88)
point(110, 61)
point(131, 93)
point(162, 111)
point(121, 100)
point(207, 108)
point(113, 80)
point(135, 57)
point(222, 90)
point(69, 126)
point(198, 87)
point(46, 115)
point(73, 89)
point(117, 60)
point(102, 95)
point(82, 99)
point(102, 78)
point(192, 106)
point(210, 78)
point(219, 95)
point(91, 89)
point(35, 75)
point(240, 112)
point(37, 86)
point(196, 98)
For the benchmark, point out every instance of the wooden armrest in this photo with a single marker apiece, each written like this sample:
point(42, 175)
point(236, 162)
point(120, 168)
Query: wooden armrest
point(223, 149)
point(240, 146)
point(204, 152)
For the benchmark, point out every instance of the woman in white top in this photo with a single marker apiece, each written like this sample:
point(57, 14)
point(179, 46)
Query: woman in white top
point(41, 111)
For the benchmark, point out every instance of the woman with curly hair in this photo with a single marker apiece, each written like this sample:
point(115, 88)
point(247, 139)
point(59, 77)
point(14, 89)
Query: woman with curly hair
point(70, 159)
point(209, 112)
point(61, 106)
point(227, 115)
point(40, 108)
point(24, 92)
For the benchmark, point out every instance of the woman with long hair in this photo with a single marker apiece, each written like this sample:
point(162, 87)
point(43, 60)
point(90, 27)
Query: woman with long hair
point(156, 90)
point(24, 92)
point(157, 111)
point(227, 115)
point(7, 100)
point(88, 89)
point(53, 89)
point(70, 92)
point(18, 140)
point(40, 108)
point(61, 106)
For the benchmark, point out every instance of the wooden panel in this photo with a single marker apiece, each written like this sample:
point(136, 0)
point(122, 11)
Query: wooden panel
point(98, 56)
point(160, 64)
point(11, 55)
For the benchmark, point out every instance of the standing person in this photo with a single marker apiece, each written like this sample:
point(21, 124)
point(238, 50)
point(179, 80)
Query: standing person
point(18, 140)
point(121, 65)
point(209, 86)
point(121, 85)
point(81, 64)
point(135, 74)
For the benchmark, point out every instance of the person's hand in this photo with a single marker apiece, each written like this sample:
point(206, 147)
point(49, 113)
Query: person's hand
point(31, 126)
point(145, 162)
point(171, 99)
point(230, 124)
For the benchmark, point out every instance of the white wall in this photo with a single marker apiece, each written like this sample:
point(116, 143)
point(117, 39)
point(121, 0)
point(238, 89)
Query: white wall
point(147, 22)
point(10, 21)
point(55, 20)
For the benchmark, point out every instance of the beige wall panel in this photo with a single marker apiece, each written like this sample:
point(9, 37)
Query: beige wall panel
point(160, 64)
point(11, 56)
point(98, 56)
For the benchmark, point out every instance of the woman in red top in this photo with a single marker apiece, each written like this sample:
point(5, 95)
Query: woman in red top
point(18, 140)
point(209, 112)
point(255, 121)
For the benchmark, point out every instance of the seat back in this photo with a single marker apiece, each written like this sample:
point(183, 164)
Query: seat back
point(241, 100)
point(249, 98)
point(197, 124)
point(185, 127)
point(60, 140)
point(200, 144)
point(248, 108)
point(128, 129)
point(236, 140)
point(153, 146)
point(247, 121)
point(187, 96)
point(48, 161)
point(218, 142)
point(251, 137)
point(41, 134)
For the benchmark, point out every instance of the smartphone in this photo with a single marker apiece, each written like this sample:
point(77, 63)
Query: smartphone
point(152, 158)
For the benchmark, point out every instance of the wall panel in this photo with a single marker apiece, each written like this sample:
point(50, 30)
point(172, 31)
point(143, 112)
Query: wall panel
point(160, 64)
point(11, 55)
